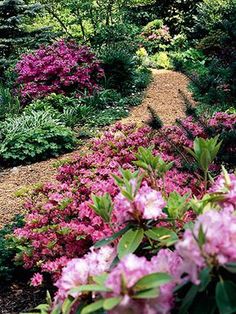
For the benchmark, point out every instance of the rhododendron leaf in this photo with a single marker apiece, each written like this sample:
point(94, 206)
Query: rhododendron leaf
point(91, 308)
point(101, 279)
point(205, 279)
point(102, 206)
point(147, 294)
point(201, 236)
point(177, 205)
point(110, 303)
point(152, 281)
point(231, 267)
point(226, 297)
point(163, 235)
point(67, 304)
point(88, 288)
point(129, 242)
point(188, 299)
point(109, 240)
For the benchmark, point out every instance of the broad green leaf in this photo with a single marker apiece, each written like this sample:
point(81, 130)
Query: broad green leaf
point(67, 304)
point(110, 303)
point(152, 281)
point(226, 297)
point(205, 279)
point(147, 294)
point(129, 242)
point(88, 288)
point(165, 236)
point(101, 279)
point(109, 240)
point(93, 307)
point(231, 267)
point(188, 299)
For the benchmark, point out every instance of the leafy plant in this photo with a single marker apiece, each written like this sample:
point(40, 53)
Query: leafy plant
point(204, 152)
point(34, 136)
point(9, 105)
point(8, 249)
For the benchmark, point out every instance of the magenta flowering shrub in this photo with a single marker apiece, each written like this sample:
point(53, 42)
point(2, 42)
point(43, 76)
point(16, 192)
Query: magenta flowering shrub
point(61, 225)
point(60, 68)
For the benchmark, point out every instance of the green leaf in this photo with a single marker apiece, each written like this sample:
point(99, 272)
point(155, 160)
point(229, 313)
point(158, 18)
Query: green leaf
point(165, 236)
point(93, 307)
point(101, 279)
point(188, 299)
point(147, 294)
point(88, 288)
point(201, 236)
point(231, 267)
point(129, 242)
point(110, 303)
point(66, 306)
point(205, 279)
point(226, 297)
point(152, 281)
point(109, 240)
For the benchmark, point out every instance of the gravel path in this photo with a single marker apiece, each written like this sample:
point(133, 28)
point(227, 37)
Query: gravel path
point(162, 95)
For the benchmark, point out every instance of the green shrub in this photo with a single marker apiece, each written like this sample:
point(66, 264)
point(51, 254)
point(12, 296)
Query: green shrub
point(143, 78)
point(189, 60)
point(8, 103)
point(34, 136)
point(161, 60)
point(8, 249)
point(119, 66)
point(123, 34)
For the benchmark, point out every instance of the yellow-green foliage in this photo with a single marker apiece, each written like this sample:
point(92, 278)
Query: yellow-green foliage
point(161, 60)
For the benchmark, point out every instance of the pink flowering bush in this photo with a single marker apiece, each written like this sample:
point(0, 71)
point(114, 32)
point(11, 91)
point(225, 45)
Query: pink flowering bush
point(61, 68)
point(155, 36)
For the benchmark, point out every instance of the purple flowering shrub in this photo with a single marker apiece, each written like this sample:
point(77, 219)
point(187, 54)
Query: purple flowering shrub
point(61, 68)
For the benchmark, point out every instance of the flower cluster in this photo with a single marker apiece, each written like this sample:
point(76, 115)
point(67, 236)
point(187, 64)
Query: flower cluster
point(147, 204)
point(212, 242)
point(132, 268)
point(59, 68)
point(79, 270)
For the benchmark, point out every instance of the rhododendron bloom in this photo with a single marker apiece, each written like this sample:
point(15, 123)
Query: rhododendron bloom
point(147, 204)
point(133, 268)
point(218, 247)
point(79, 270)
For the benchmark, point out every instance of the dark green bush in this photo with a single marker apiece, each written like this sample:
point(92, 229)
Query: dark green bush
point(34, 136)
point(119, 66)
point(8, 249)
point(8, 103)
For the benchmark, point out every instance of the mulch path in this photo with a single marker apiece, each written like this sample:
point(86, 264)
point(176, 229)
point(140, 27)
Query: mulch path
point(162, 95)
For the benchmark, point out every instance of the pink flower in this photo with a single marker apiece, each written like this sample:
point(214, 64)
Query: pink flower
point(147, 204)
point(215, 250)
point(36, 280)
point(133, 268)
point(79, 270)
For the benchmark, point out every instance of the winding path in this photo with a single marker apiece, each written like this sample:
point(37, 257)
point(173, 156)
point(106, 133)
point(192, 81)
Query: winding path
point(162, 95)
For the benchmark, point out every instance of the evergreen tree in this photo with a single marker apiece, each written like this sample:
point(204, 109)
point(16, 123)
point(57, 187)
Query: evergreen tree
point(13, 34)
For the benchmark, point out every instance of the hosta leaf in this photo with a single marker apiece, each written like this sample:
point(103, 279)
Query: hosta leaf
point(129, 242)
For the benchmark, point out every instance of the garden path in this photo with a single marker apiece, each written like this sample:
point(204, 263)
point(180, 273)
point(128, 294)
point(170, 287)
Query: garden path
point(162, 95)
